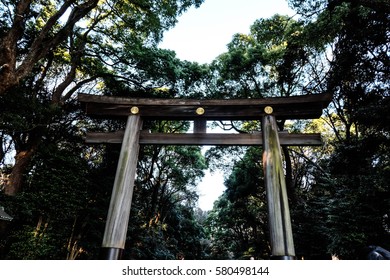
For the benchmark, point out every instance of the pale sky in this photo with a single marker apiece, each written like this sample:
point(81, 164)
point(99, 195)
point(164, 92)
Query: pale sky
point(201, 35)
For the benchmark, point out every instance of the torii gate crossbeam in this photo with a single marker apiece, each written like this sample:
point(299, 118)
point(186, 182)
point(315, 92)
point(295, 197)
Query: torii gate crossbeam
point(267, 110)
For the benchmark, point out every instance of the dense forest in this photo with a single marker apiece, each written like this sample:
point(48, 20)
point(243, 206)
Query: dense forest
point(57, 188)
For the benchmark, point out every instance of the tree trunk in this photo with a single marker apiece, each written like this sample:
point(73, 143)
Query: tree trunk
point(8, 47)
point(15, 181)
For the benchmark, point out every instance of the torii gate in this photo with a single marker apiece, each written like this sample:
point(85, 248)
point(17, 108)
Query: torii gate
point(267, 110)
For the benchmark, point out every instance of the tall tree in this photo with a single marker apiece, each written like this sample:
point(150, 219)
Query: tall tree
point(359, 43)
point(51, 50)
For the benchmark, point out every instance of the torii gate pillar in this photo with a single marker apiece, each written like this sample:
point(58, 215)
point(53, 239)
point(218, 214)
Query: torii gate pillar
point(119, 210)
point(281, 238)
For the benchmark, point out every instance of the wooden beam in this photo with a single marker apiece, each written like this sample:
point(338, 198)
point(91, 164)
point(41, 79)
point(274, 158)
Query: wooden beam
point(295, 107)
point(200, 126)
point(281, 238)
point(119, 211)
point(198, 139)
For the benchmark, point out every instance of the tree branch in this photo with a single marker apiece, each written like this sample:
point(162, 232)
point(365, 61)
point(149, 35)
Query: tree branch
point(8, 46)
point(311, 162)
point(43, 43)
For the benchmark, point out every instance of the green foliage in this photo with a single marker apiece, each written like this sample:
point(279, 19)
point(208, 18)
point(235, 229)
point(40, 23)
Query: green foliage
point(23, 115)
point(275, 59)
point(44, 213)
point(237, 224)
point(27, 246)
point(308, 8)
point(352, 198)
point(177, 235)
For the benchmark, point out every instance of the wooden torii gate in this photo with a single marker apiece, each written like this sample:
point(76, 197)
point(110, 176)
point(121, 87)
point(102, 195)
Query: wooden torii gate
point(268, 110)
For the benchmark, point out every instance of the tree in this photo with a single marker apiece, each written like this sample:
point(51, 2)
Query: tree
point(51, 50)
point(357, 78)
point(339, 47)
point(53, 201)
point(275, 59)
point(45, 28)
point(237, 225)
point(358, 192)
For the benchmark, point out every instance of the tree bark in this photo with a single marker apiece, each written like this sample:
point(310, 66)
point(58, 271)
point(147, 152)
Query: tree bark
point(15, 180)
point(8, 47)
point(26, 145)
